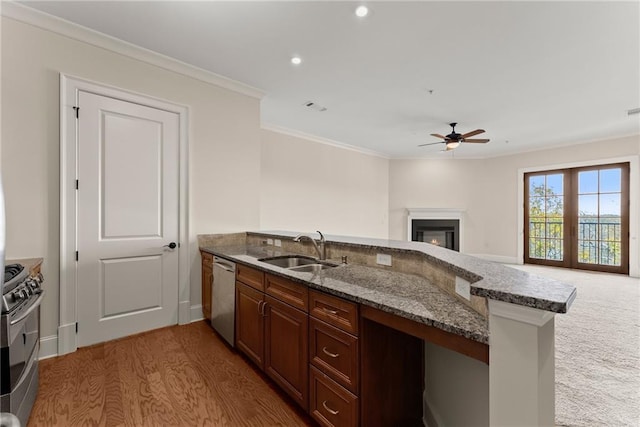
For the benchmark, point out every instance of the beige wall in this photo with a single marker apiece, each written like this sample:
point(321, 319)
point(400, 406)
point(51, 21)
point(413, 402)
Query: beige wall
point(310, 186)
point(436, 183)
point(224, 144)
point(488, 190)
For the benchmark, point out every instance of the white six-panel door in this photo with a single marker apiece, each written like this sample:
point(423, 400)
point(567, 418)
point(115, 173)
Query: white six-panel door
point(128, 171)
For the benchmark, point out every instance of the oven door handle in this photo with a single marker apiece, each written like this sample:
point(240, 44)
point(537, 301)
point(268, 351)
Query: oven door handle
point(29, 311)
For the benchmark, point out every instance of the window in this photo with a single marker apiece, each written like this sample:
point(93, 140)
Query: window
point(578, 218)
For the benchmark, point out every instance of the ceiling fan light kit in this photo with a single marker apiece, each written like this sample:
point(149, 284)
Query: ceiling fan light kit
point(452, 144)
point(454, 139)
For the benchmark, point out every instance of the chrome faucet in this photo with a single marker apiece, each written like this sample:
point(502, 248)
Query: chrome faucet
point(321, 250)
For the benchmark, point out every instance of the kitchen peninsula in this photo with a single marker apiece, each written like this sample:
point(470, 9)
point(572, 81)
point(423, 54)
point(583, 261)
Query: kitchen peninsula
point(381, 306)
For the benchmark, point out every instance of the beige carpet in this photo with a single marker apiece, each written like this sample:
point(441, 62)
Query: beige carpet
point(597, 349)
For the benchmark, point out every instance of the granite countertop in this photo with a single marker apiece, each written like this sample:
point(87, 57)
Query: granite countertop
point(488, 279)
point(409, 296)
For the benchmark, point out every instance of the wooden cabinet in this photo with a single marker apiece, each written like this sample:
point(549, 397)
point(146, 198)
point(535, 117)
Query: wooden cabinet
point(306, 341)
point(250, 323)
point(334, 355)
point(331, 405)
point(335, 311)
point(207, 283)
point(286, 358)
point(272, 329)
point(335, 352)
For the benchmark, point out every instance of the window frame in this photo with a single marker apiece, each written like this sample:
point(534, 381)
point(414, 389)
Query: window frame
point(571, 219)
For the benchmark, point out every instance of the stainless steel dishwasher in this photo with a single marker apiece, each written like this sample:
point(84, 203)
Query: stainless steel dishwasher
point(223, 298)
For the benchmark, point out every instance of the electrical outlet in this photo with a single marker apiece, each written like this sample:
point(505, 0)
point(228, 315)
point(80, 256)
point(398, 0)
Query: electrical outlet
point(463, 288)
point(278, 243)
point(383, 259)
point(269, 241)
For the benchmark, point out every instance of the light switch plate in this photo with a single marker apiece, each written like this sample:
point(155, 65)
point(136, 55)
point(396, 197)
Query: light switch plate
point(278, 243)
point(383, 259)
point(463, 288)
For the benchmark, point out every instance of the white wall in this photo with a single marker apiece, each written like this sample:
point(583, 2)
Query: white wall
point(224, 144)
point(488, 190)
point(308, 186)
point(456, 389)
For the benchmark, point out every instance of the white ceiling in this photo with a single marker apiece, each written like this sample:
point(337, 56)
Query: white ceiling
point(534, 74)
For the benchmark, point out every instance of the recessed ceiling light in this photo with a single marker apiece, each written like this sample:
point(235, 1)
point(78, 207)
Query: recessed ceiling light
point(362, 11)
point(296, 60)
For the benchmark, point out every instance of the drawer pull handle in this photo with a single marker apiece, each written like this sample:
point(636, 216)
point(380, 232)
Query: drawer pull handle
point(328, 353)
point(331, 411)
point(328, 310)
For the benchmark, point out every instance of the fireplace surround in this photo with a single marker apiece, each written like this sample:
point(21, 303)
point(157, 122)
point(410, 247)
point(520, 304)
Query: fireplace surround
point(442, 227)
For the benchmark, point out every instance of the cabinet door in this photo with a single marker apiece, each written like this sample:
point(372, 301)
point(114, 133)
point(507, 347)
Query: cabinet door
point(250, 323)
point(286, 349)
point(207, 283)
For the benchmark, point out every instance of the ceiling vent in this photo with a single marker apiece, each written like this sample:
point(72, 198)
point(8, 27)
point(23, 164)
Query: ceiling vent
point(312, 105)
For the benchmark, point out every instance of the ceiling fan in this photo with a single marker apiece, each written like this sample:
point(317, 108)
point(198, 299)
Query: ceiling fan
point(454, 139)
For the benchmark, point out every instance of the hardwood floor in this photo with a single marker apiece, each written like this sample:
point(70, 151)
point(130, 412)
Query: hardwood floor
point(176, 376)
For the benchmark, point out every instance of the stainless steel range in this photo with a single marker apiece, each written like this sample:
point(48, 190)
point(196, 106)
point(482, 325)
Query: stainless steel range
point(19, 340)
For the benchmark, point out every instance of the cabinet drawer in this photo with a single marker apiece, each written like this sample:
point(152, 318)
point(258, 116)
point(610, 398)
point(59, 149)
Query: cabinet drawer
point(335, 353)
point(335, 311)
point(287, 291)
point(250, 276)
point(331, 404)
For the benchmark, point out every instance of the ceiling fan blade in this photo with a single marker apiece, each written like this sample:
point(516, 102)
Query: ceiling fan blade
point(437, 135)
point(430, 143)
point(472, 133)
point(476, 141)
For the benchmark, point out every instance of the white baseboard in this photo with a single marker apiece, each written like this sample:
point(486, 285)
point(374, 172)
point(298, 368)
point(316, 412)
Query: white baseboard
point(196, 313)
point(48, 347)
point(184, 314)
point(498, 258)
point(67, 339)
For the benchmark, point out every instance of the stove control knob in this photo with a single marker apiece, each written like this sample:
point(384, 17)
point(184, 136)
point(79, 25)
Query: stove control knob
point(17, 295)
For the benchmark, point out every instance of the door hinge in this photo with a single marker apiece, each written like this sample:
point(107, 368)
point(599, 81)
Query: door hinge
point(76, 327)
point(77, 256)
point(77, 184)
point(77, 110)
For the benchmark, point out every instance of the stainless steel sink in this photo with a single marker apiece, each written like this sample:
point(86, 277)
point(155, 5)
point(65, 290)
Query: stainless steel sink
point(289, 261)
point(298, 263)
point(312, 268)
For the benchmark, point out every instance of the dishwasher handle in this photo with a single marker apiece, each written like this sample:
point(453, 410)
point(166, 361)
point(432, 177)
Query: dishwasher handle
point(231, 268)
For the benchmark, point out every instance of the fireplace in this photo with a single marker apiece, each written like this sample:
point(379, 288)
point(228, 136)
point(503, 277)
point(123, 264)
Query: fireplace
point(440, 232)
point(442, 227)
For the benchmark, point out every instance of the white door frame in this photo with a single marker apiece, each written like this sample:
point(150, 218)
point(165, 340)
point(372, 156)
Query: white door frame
point(69, 89)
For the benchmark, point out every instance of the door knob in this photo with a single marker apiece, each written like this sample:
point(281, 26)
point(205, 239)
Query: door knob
point(171, 245)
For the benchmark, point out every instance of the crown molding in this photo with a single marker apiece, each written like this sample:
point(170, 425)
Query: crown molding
point(30, 16)
point(321, 140)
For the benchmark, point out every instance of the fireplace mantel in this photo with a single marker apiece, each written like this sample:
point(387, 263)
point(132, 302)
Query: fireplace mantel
point(437, 213)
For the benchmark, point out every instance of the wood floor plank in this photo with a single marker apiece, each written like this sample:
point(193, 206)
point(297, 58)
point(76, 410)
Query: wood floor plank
point(176, 376)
